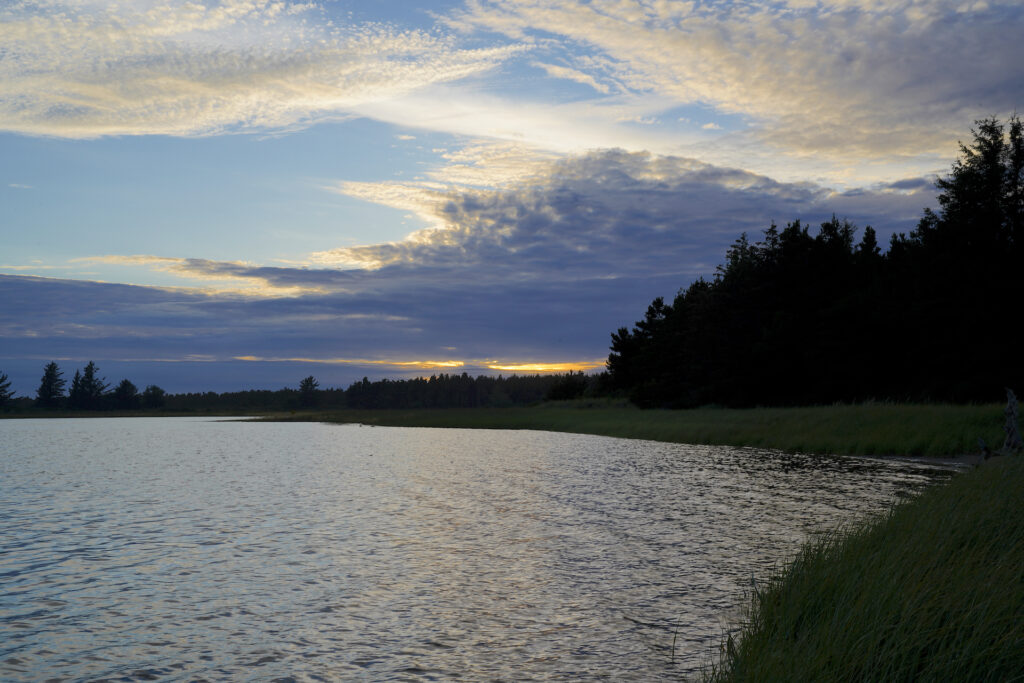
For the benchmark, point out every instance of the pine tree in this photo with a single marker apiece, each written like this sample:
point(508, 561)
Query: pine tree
point(51, 387)
point(5, 390)
point(87, 390)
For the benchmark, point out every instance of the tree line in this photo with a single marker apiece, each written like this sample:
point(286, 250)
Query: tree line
point(87, 391)
point(804, 318)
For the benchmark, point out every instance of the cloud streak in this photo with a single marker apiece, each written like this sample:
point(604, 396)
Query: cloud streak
point(85, 70)
point(857, 78)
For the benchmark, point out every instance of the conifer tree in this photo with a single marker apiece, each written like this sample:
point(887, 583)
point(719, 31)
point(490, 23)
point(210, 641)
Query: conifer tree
point(5, 390)
point(51, 387)
point(87, 390)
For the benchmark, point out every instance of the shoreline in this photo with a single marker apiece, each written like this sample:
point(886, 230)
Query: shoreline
point(932, 590)
point(937, 433)
point(934, 432)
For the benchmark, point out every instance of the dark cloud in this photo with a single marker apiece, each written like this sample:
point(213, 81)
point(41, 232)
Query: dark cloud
point(544, 271)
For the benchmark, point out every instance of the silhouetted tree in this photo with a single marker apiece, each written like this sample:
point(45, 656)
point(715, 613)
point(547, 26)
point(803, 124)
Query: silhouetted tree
point(126, 396)
point(75, 395)
point(567, 387)
point(5, 390)
point(982, 200)
point(87, 389)
point(51, 387)
point(308, 392)
point(153, 397)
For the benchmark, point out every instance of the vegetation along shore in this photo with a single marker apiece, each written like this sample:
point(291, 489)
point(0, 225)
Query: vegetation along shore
point(863, 429)
point(932, 591)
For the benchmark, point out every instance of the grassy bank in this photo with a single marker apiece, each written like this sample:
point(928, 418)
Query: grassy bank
point(932, 591)
point(867, 429)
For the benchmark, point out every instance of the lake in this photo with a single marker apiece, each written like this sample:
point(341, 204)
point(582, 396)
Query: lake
point(190, 549)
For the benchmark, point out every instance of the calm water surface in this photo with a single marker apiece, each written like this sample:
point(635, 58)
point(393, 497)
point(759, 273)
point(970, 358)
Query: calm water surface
point(185, 549)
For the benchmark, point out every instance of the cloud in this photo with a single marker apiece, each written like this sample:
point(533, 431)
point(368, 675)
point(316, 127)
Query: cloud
point(564, 72)
point(853, 78)
point(474, 112)
point(364, 362)
point(612, 213)
point(84, 70)
point(241, 278)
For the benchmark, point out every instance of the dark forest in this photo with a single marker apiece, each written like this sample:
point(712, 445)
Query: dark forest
point(798, 318)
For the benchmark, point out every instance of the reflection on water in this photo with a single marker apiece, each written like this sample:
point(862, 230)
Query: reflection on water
point(187, 549)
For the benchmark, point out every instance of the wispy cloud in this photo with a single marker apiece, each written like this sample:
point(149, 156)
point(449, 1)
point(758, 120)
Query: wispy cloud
point(856, 78)
point(84, 70)
point(364, 362)
point(222, 277)
point(570, 74)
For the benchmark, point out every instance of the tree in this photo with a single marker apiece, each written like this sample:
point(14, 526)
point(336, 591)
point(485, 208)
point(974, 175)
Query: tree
point(153, 397)
point(966, 267)
point(308, 396)
point(982, 200)
point(567, 387)
point(87, 389)
point(5, 390)
point(51, 387)
point(126, 396)
point(868, 249)
point(76, 399)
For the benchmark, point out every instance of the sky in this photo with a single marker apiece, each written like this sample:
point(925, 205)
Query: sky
point(223, 195)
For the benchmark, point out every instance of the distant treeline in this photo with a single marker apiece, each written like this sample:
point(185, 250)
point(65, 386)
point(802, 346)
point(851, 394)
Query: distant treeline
point(802, 318)
point(89, 392)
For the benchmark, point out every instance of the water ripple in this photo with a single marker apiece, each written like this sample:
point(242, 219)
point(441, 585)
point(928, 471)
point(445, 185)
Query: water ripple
point(189, 549)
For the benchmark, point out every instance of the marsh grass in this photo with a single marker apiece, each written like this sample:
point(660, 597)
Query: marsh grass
point(932, 591)
point(863, 429)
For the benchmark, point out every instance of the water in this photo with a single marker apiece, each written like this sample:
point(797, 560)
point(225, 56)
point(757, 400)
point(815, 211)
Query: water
point(190, 549)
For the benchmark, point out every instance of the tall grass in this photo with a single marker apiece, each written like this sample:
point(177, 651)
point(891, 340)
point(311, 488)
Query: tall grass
point(865, 429)
point(932, 591)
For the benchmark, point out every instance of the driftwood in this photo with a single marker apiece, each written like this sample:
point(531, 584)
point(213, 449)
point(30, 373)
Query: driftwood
point(1013, 442)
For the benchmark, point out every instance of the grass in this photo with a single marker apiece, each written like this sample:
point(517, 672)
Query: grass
point(932, 591)
point(863, 429)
